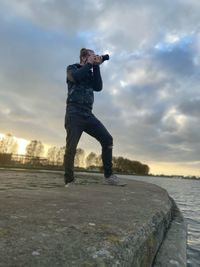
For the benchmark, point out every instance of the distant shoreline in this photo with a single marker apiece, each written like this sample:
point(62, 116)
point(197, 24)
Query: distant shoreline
point(37, 169)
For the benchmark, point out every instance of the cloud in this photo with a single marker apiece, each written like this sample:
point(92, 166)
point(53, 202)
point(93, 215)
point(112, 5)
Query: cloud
point(190, 107)
point(150, 101)
point(51, 14)
point(178, 60)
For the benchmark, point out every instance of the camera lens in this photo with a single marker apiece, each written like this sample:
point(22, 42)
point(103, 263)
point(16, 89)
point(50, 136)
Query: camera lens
point(105, 57)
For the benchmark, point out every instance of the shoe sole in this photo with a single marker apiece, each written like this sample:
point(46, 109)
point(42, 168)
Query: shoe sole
point(115, 184)
point(69, 184)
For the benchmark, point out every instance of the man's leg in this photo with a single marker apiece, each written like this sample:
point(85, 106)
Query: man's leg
point(74, 130)
point(96, 129)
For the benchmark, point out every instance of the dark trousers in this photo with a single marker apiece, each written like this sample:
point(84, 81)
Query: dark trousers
point(78, 121)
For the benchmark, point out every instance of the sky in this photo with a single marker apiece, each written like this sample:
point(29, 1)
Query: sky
point(150, 102)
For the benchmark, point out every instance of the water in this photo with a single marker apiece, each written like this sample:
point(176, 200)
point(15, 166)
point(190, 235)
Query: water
point(186, 193)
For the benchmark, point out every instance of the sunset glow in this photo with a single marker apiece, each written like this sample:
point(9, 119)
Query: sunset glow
point(22, 143)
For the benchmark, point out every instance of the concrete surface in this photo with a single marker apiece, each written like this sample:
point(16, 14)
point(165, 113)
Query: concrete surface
point(172, 252)
point(42, 223)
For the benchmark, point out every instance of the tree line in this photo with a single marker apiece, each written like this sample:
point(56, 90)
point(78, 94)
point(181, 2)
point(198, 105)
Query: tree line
point(55, 155)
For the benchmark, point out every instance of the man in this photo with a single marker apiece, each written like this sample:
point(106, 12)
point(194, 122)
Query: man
point(82, 80)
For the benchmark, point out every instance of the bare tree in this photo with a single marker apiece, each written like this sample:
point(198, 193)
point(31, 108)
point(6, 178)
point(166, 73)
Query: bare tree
point(60, 154)
point(121, 164)
point(56, 154)
point(99, 161)
point(79, 157)
point(91, 159)
point(35, 148)
point(8, 144)
point(52, 154)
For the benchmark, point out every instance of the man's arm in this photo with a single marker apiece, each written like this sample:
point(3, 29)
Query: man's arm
point(97, 80)
point(76, 75)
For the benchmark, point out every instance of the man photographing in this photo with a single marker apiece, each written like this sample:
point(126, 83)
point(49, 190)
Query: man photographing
point(82, 80)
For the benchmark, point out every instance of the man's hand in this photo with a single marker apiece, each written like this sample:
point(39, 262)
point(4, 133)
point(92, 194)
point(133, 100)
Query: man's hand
point(91, 59)
point(97, 60)
point(94, 60)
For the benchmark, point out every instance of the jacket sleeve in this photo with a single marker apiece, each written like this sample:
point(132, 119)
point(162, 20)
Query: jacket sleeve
point(75, 74)
point(97, 80)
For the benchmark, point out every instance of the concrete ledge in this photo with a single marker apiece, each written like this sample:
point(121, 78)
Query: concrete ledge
point(88, 224)
point(173, 248)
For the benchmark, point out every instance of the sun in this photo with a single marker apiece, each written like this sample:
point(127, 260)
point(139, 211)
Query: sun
point(22, 143)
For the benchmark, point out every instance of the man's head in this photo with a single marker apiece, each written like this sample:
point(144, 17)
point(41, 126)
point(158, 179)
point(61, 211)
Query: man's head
point(85, 54)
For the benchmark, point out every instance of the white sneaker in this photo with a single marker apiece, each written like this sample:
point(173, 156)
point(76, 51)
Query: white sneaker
point(112, 180)
point(69, 184)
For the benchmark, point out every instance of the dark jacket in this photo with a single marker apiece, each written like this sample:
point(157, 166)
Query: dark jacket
point(82, 81)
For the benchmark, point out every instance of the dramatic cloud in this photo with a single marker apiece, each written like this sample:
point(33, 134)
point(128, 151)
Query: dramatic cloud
point(151, 99)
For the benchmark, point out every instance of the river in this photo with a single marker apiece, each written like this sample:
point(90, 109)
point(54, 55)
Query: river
point(186, 193)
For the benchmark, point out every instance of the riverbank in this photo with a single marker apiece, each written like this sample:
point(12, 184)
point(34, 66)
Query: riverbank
point(88, 224)
point(59, 169)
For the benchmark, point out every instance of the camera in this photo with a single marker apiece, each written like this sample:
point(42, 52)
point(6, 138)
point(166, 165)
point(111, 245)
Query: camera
point(100, 59)
point(105, 57)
